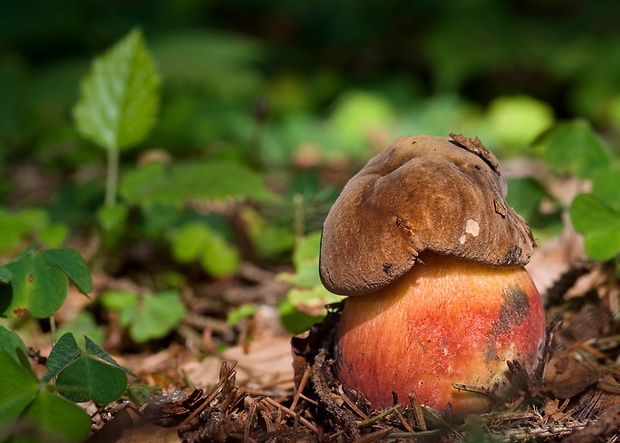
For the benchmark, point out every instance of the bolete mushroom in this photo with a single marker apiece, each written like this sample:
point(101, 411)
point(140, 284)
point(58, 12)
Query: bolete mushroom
point(432, 258)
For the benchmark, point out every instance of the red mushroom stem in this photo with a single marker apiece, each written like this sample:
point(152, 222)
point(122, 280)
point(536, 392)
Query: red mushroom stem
point(446, 321)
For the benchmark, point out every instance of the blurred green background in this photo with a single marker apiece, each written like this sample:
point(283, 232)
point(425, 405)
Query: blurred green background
point(286, 87)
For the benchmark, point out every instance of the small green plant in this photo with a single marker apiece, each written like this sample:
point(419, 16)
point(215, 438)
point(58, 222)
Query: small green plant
point(596, 216)
point(118, 102)
point(573, 148)
point(197, 241)
point(305, 302)
point(147, 317)
point(36, 282)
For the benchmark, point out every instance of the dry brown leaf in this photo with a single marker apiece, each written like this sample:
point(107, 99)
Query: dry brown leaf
point(265, 362)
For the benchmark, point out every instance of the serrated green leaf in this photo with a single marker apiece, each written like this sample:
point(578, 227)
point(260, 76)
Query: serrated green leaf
point(58, 418)
point(102, 382)
point(574, 148)
point(38, 286)
point(159, 315)
point(120, 95)
point(10, 342)
point(174, 185)
point(94, 349)
point(72, 263)
point(17, 389)
point(598, 223)
point(64, 352)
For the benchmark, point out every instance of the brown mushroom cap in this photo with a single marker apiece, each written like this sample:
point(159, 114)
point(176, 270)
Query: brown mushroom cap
point(421, 193)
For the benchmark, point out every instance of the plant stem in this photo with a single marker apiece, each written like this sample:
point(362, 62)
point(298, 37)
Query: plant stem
point(53, 329)
point(111, 186)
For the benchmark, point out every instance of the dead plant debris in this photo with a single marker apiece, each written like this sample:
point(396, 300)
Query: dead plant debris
point(573, 396)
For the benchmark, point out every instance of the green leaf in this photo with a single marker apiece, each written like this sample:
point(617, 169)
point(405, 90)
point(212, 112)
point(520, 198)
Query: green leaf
point(294, 320)
point(83, 324)
point(598, 223)
point(38, 286)
point(72, 263)
point(120, 95)
point(606, 185)
point(356, 115)
point(220, 258)
point(53, 234)
point(64, 352)
point(5, 274)
point(306, 261)
point(159, 315)
point(10, 342)
point(147, 317)
point(96, 350)
point(516, 121)
point(99, 381)
point(574, 148)
point(112, 218)
point(189, 242)
point(17, 389)
point(214, 180)
point(126, 303)
point(139, 395)
point(65, 421)
point(243, 311)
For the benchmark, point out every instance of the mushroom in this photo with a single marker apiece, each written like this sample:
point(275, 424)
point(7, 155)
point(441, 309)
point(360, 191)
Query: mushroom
point(432, 258)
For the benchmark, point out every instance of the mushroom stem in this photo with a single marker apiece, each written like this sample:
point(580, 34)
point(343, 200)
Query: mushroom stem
point(447, 321)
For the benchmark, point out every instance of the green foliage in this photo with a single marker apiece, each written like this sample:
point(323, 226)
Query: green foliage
point(85, 375)
point(574, 148)
point(83, 324)
point(197, 241)
point(27, 400)
point(39, 281)
point(243, 311)
point(119, 97)
point(596, 215)
point(156, 183)
point(19, 228)
point(356, 116)
point(148, 317)
point(307, 293)
point(599, 224)
point(526, 195)
point(517, 120)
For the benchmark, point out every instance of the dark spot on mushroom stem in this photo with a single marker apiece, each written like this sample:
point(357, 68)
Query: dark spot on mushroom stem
point(388, 268)
point(513, 312)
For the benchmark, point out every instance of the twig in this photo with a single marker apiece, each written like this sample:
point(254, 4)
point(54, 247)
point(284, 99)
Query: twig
point(301, 387)
point(293, 414)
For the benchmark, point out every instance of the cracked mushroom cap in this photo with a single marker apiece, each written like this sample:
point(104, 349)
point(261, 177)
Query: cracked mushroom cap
point(421, 193)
